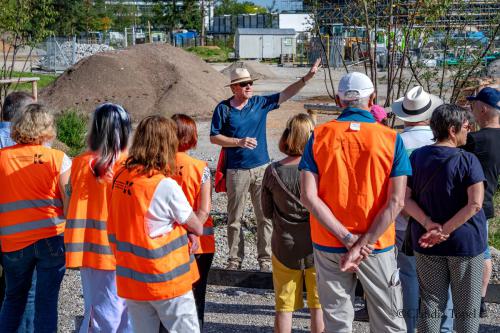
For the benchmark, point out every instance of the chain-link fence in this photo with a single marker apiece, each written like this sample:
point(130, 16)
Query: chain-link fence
point(59, 53)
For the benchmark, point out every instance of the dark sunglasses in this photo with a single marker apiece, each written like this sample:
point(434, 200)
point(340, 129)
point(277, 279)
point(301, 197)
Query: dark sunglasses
point(244, 84)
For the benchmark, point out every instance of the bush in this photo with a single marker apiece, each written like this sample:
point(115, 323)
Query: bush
point(71, 130)
point(210, 53)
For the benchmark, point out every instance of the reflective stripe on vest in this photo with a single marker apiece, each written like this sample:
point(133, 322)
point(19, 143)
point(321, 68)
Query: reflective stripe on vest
point(155, 278)
point(85, 223)
point(30, 198)
point(88, 247)
point(86, 237)
point(147, 269)
point(30, 226)
point(147, 253)
point(189, 174)
point(24, 204)
point(354, 167)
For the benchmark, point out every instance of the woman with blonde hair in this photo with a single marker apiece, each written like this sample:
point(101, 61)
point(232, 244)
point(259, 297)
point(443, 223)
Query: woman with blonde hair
point(149, 217)
point(291, 238)
point(85, 238)
point(32, 177)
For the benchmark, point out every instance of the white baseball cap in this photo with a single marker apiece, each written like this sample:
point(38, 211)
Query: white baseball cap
point(355, 85)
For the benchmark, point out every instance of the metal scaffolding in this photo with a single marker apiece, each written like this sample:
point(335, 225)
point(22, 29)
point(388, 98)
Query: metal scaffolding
point(479, 13)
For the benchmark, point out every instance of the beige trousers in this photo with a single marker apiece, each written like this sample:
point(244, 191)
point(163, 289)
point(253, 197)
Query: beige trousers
point(239, 182)
point(380, 279)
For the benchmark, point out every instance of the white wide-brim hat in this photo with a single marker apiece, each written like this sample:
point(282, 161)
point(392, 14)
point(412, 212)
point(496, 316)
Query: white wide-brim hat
point(417, 105)
point(239, 75)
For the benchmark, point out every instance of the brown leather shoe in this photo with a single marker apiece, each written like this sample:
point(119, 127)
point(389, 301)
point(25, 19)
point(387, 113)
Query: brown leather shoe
point(233, 265)
point(266, 266)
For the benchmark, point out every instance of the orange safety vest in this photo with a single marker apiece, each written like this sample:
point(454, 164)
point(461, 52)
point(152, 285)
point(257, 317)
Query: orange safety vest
point(85, 237)
point(31, 206)
point(189, 173)
point(147, 269)
point(354, 168)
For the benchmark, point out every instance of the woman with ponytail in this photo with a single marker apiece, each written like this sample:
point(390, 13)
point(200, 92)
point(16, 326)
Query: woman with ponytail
point(85, 238)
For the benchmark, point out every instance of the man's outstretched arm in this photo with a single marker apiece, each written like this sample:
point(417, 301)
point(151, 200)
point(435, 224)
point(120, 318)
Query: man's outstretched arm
point(294, 88)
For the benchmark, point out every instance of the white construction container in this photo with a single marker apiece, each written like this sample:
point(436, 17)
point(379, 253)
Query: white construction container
point(264, 43)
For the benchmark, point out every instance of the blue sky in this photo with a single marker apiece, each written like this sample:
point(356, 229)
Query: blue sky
point(261, 2)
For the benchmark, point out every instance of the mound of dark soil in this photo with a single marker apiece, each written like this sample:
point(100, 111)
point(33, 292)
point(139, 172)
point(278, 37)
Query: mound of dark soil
point(145, 79)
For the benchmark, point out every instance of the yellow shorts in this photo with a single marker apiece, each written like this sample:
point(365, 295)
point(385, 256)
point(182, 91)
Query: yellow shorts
point(288, 287)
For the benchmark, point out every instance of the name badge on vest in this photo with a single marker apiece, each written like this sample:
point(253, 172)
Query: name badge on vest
point(355, 127)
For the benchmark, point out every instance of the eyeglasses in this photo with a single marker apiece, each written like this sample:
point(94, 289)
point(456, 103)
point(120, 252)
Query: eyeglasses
point(468, 127)
point(244, 84)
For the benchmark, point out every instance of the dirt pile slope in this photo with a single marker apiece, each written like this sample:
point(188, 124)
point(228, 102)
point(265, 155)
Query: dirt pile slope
point(255, 68)
point(146, 79)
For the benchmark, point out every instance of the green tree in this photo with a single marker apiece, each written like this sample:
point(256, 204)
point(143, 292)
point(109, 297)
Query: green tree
point(232, 7)
point(190, 17)
point(74, 17)
point(173, 15)
point(23, 24)
point(123, 16)
point(166, 14)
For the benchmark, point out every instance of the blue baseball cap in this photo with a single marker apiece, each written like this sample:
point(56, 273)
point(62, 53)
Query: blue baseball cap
point(488, 95)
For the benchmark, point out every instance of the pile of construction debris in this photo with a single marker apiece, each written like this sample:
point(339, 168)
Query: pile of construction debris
point(69, 53)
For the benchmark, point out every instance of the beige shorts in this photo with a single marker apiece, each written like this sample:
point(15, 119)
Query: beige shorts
point(379, 276)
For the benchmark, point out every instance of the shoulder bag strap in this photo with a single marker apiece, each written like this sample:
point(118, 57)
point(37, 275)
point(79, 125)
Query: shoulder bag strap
point(283, 186)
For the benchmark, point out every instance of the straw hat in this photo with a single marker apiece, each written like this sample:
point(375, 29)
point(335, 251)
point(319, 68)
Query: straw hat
point(417, 105)
point(239, 75)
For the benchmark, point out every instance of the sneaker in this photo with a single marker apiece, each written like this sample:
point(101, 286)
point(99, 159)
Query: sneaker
point(233, 265)
point(483, 310)
point(266, 266)
point(362, 315)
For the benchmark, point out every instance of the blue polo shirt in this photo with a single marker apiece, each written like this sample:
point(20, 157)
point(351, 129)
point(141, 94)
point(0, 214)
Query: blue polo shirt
point(401, 165)
point(249, 122)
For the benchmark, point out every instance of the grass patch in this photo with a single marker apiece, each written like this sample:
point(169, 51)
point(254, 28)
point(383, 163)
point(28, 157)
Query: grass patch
point(211, 53)
point(494, 227)
point(71, 130)
point(45, 80)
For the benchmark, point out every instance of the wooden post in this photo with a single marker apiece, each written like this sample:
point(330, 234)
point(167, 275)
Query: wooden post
point(202, 30)
point(327, 49)
point(34, 90)
point(32, 80)
point(149, 32)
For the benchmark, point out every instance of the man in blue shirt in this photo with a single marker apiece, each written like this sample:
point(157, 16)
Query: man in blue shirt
point(13, 104)
point(239, 126)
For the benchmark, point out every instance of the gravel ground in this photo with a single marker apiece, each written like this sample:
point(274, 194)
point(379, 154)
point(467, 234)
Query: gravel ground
point(231, 309)
point(238, 309)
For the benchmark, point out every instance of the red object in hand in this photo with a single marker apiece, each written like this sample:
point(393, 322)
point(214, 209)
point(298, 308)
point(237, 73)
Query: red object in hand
point(220, 173)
